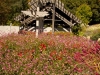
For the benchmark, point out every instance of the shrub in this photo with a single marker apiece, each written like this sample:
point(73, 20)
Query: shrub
point(96, 35)
point(79, 29)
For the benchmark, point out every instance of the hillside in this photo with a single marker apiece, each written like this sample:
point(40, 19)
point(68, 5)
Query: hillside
point(93, 27)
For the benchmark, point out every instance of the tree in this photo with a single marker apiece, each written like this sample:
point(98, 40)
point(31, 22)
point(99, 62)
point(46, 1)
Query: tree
point(95, 7)
point(10, 8)
point(84, 13)
point(4, 10)
point(72, 6)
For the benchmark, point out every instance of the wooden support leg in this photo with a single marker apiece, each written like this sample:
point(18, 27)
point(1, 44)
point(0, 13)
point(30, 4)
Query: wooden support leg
point(41, 25)
point(70, 26)
point(37, 24)
point(70, 30)
point(53, 17)
point(37, 27)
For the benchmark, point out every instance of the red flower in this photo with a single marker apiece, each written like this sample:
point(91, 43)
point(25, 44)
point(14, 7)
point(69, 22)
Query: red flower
point(20, 54)
point(42, 47)
point(53, 53)
point(59, 57)
point(97, 74)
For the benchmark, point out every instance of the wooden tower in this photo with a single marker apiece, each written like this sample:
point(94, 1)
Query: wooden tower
point(57, 15)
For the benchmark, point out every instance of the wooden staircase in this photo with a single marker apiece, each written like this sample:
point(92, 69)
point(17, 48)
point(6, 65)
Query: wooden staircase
point(59, 6)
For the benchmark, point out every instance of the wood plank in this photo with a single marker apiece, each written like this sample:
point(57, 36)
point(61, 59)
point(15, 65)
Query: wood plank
point(65, 20)
point(53, 16)
point(51, 20)
point(69, 14)
point(32, 2)
point(47, 1)
point(44, 1)
point(51, 1)
point(19, 17)
point(41, 2)
point(29, 3)
point(62, 6)
point(58, 3)
point(28, 20)
point(33, 8)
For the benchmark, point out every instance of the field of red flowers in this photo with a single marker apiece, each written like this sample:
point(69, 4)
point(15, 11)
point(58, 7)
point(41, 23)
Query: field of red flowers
point(49, 54)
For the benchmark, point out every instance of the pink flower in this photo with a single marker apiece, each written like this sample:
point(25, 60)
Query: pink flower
point(78, 57)
point(78, 69)
point(97, 74)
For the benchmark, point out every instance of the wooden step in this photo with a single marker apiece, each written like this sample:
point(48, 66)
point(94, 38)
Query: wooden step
point(28, 20)
point(33, 8)
point(64, 19)
point(32, 2)
point(19, 17)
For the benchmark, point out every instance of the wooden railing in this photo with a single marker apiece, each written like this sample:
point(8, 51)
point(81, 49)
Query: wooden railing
point(28, 20)
point(33, 5)
point(60, 6)
point(64, 19)
point(19, 17)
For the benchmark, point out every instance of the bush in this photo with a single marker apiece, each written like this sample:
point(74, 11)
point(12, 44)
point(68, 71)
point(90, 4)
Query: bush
point(96, 35)
point(79, 29)
point(57, 54)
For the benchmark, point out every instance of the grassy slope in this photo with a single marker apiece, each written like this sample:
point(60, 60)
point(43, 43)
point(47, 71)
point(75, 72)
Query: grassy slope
point(93, 27)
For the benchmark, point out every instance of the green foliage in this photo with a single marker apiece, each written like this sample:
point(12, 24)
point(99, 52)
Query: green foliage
point(84, 13)
point(95, 7)
point(14, 23)
point(9, 9)
point(73, 5)
point(79, 29)
point(4, 10)
point(96, 35)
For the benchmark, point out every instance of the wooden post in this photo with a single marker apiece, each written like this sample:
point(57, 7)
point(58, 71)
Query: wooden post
point(37, 20)
point(37, 24)
point(71, 26)
point(53, 16)
point(41, 26)
point(10, 27)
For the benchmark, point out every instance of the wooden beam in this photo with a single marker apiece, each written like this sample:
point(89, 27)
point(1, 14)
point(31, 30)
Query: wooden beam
point(28, 20)
point(53, 17)
point(64, 19)
point(51, 20)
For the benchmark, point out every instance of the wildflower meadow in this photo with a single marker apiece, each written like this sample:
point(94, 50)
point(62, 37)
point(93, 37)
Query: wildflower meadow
point(61, 53)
